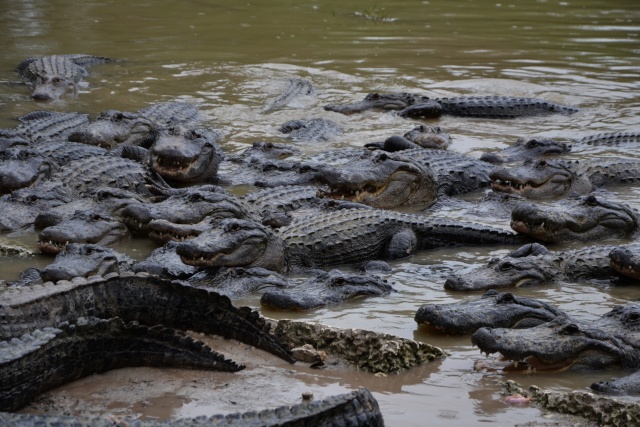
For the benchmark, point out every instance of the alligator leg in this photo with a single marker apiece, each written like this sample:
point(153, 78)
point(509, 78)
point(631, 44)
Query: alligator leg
point(50, 357)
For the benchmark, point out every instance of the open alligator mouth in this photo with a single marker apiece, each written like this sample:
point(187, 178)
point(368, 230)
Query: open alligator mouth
point(164, 231)
point(342, 193)
point(202, 260)
point(51, 246)
point(534, 364)
point(507, 186)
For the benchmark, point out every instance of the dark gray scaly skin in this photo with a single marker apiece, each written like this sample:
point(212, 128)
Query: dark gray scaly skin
point(190, 207)
point(343, 237)
point(355, 409)
point(56, 75)
point(296, 87)
point(187, 154)
point(311, 130)
point(557, 178)
point(50, 357)
point(380, 181)
point(83, 227)
point(612, 340)
point(39, 126)
point(85, 260)
point(141, 297)
point(330, 288)
point(115, 128)
point(235, 282)
point(626, 262)
point(417, 106)
point(525, 268)
point(623, 386)
point(493, 310)
point(527, 148)
point(586, 219)
point(164, 262)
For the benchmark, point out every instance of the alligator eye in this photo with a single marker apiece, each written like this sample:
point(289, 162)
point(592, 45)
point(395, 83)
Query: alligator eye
point(505, 298)
point(194, 135)
point(532, 143)
point(234, 226)
point(339, 281)
point(96, 217)
point(633, 317)
point(195, 198)
point(571, 329)
point(505, 266)
point(305, 168)
point(56, 81)
point(268, 145)
point(541, 164)
point(382, 157)
point(118, 117)
point(591, 201)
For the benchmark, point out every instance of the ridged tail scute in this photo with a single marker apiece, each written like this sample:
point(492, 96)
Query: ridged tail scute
point(50, 357)
point(356, 409)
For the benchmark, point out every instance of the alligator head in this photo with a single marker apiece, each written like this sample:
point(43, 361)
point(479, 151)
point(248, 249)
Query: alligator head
point(380, 101)
point(325, 289)
point(511, 271)
point(84, 260)
point(48, 87)
point(186, 154)
point(190, 207)
point(565, 344)
point(235, 243)
point(82, 227)
point(260, 150)
point(590, 218)
point(112, 128)
point(380, 181)
point(539, 179)
point(20, 168)
point(494, 310)
point(527, 148)
point(625, 262)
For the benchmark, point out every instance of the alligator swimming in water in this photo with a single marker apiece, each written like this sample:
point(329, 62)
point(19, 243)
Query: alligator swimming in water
point(296, 87)
point(53, 356)
point(612, 340)
point(537, 146)
point(494, 310)
point(342, 237)
point(328, 288)
point(311, 130)
point(588, 218)
point(419, 137)
point(533, 265)
point(56, 75)
point(418, 106)
point(355, 409)
point(626, 386)
point(114, 128)
point(140, 297)
point(537, 179)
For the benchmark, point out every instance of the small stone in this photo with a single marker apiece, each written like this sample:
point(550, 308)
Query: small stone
point(380, 374)
point(307, 354)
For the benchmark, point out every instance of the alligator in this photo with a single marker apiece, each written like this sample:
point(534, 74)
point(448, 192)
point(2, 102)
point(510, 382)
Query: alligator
point(342, 237)
point(533, 265)
point(537, 179)
point(56, 75)
point(236, 282)
point(39, 126)
point(189, 207)
point(586, 219)
point(537, 146)
point(296, 87)
point(419, 137)
point(493, 310)
point(83, 227)
point(261, 150)
point(53, 356)
point(114, 128)
point(625, 262)
point(628, 385)
point(527, 148)
point(380, 181)
point(414, 177)
point(139, 297)
point(419, 106)
point(327, 288)
point(310, 130)
point(356, 409)
point(612, 340)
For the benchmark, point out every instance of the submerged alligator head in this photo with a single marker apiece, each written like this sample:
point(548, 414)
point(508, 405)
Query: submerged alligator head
point(538, 179)
point(328, 288)
point(186, 154)
point(82, 227)
point(590, 218)
point(380, 101)
point(494, 310)
point(112, 128)
point(235, 243)
point(20, 168)
point(85, 260)
point(527, 148)
point(380, 181)
point(563, 344)
point(527, 266)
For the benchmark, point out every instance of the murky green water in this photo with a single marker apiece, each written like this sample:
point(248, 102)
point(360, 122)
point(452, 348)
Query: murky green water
point(231, 57)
